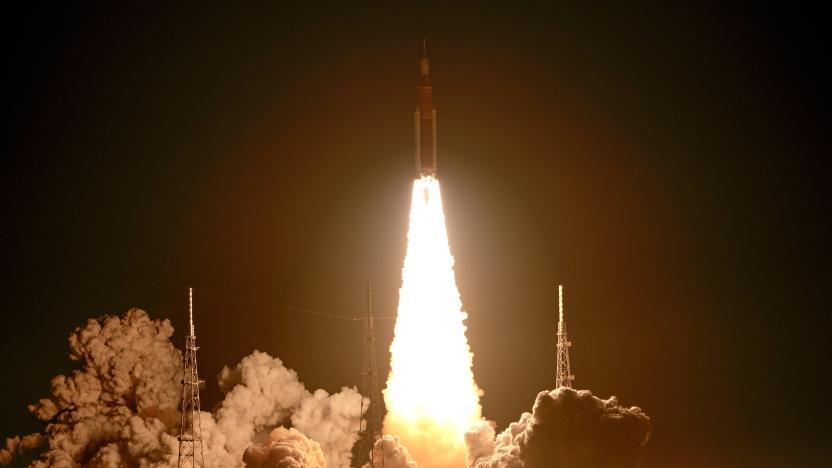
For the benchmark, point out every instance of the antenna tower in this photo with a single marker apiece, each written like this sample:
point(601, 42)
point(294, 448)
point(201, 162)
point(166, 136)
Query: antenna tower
point(190, 433)
point(371, 417)
point(564, 375)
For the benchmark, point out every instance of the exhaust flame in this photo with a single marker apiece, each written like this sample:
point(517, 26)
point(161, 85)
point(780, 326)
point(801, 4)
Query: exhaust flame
point(431, 395)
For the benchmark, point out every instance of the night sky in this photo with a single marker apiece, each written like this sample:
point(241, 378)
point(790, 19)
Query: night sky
point(664, 163)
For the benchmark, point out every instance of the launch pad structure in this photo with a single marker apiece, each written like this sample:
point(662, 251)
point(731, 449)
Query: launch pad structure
point(190, 432)
point(563, 375)
point(371, 416)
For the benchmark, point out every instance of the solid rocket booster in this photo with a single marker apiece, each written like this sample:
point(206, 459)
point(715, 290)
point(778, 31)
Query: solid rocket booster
point(425, 122)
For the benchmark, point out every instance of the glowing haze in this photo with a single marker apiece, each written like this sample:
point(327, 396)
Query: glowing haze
point(431, 395)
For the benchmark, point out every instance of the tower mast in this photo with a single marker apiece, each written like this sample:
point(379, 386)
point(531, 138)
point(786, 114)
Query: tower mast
point(563, 377)
point(371, 418)
point(190, 432)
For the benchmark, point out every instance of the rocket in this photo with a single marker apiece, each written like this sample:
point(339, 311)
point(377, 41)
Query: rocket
point(425, 121)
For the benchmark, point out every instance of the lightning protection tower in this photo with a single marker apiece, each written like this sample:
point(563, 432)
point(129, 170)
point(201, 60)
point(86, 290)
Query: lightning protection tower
point(190, 433)
point(371, 419)
point(564, 375)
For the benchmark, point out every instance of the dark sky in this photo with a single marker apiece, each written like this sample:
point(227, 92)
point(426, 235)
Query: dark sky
point(664, 163)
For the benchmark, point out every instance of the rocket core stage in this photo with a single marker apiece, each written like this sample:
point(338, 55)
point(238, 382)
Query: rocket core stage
point(425, 122)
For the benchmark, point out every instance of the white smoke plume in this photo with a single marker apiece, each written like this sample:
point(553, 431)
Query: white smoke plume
point(566, 429)
point(332, 421)
point(263, 393)
point(388, 452)
point(285, 448)
point(120, 408)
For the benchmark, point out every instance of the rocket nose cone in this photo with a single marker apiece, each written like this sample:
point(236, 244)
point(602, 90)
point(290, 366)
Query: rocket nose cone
point(424, 63)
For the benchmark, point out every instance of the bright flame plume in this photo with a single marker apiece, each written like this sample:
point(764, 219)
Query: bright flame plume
point(431, 395)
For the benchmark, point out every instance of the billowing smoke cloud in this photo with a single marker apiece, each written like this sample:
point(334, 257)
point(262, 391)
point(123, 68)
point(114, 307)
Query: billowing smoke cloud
point(332, 421)
point(129, 373)
point(120, 408)
point(285, 448)
point(22, 450)
point(262, 393)
point(567, 428)
point(388, 452)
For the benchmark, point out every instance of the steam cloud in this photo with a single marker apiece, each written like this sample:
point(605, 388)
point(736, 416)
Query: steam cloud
point(390, 453)
point(285, 448)
point(120, 408)
point(567, 428)
point(26, 449)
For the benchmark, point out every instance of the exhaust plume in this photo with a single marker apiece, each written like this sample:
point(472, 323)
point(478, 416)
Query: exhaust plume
point(431, 396)
point(566, 429)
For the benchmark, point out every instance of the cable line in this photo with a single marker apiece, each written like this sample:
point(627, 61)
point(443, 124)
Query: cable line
point(308, 311)
point(280, 307)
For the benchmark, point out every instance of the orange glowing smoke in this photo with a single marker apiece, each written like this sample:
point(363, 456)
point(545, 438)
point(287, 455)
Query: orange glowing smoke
point(431, 395)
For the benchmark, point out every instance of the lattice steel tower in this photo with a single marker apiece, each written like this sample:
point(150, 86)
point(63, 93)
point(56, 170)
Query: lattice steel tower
point(371, 419)
point(564, 375)
point(190, 433)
